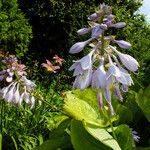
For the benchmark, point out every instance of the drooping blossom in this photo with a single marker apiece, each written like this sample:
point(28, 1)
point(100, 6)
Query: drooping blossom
point(104, 68)
point(78, 47)
point(128, 61)
point(18, 87)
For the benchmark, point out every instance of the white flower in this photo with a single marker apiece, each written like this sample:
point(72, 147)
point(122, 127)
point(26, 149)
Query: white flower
point(30, 85)
point(26, 96)
point(78, 47)
point(10, 94)
point(9, 79)
point(17, 95)
point(32, 102)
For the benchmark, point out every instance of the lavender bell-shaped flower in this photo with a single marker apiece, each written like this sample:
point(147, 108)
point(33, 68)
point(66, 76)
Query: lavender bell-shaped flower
point(78, 47)
point(125, 76)
point(84, 80)
point(94, 16)
point(83, 64)
point(122, 43)
point(119, 25)
point(96, 31)
point(128, 61)
point(83, 31)
point(100, 99)
point(113, 70)
point(99, 76)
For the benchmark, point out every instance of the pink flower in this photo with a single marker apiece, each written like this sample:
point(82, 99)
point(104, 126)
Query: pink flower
point(50, 67)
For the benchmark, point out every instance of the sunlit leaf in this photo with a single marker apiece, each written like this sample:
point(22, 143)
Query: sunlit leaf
point(82, 105)
point(103, 136)
point(82, 140)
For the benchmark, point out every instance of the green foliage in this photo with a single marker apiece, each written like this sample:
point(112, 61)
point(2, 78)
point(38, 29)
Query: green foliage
point(82, 140)
point(15, 31)
point(82, 105)
point(59, 138)
point(25, 128)
point(143, 100)
point(103, 136)
point(124, 137)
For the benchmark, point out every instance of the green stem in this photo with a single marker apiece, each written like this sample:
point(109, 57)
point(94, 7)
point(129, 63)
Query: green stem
point(102, 44)
point(111, 125)
point(0, 141)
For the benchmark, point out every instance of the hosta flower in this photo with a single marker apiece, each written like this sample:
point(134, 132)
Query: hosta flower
point(118, 92)
point(119, 25)
point(94, 16)
point(78, 47)
point(9, 97)
point(135, 136)
point(17, 95)
point(96, 31)
point(83, 81)
point(128, 61)
point(122, 43)
point(113, 69)
point(83, 64)
point(99, 76)
point(100, 99)
point(32, 102)
point(83, 31)
point(109, 77)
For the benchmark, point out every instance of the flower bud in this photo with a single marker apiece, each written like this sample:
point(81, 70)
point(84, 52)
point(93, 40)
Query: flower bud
point(94, 16)
point(122, 43)
point(119, 25)
point(78, 47)
point(83, 31)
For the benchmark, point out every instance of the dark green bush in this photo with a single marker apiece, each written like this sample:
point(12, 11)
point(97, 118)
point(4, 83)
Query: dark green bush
point(15, 32)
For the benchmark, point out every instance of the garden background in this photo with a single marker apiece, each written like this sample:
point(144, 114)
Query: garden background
point(36, 30)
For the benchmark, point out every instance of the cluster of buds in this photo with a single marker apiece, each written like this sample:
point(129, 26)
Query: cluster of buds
point(18, 87)
point(104, 67)
point(52, 67)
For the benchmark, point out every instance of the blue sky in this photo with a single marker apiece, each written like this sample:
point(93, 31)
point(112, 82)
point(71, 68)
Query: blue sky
point(145, 9)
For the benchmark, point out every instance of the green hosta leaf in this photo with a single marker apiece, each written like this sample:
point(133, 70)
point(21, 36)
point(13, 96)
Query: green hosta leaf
point(143, 148)
point(0, 141)
point(124, 113)
point(143, 100)
point(59, 138)
point(82, 105)
point(53, 144)
point(82, 140)
point(124, 137)
point(103, 136)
